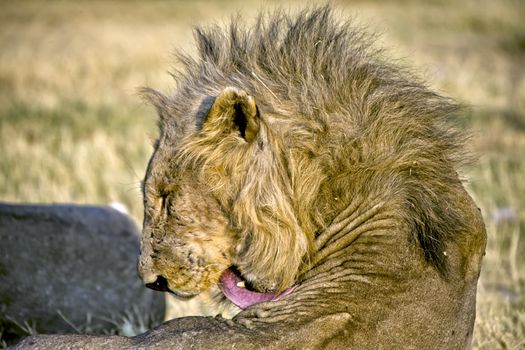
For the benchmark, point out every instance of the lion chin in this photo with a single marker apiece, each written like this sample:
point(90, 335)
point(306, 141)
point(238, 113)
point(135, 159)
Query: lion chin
point(234, 289)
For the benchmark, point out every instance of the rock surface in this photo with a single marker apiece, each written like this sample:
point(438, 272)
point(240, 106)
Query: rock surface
point(70, 269)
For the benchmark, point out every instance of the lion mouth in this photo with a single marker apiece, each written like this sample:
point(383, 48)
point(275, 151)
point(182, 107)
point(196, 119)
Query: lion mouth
point(233, 287)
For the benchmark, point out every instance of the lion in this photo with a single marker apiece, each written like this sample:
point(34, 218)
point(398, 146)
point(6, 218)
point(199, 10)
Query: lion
point(313, 185)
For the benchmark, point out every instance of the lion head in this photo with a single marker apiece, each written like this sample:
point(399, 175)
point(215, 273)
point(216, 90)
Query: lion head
point(219, 201)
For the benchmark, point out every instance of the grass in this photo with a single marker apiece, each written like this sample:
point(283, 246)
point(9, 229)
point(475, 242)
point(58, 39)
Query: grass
point(72, 128)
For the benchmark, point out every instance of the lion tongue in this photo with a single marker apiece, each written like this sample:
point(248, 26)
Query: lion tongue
point(243, 297)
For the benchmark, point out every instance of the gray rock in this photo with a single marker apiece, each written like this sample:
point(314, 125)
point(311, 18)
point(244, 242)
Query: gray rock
point(71, 269)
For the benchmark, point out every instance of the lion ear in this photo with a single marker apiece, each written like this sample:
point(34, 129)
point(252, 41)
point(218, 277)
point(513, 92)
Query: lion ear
point(233, 111)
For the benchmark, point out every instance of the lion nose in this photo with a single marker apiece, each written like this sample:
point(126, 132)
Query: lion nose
point(161, 284)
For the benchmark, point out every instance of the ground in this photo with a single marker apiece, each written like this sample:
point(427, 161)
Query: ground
point(73, 129)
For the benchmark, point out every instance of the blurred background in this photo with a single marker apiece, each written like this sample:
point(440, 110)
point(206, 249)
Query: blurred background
point(73, 129)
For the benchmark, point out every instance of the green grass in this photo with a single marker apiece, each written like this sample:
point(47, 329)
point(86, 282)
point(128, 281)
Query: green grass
point(72, 128)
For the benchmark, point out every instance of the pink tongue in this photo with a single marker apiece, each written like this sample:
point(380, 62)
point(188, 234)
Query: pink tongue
point(243, 297)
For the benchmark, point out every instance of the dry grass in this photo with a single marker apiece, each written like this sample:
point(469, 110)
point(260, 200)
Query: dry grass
point(73, 130)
